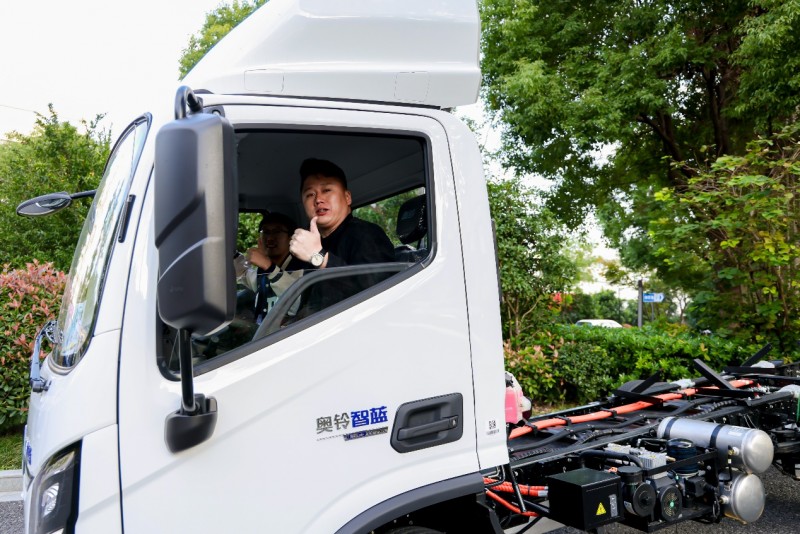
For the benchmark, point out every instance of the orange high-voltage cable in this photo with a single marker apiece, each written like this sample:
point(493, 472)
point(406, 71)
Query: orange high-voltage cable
point(507, 487)
point(508, 505)
point(606, 413)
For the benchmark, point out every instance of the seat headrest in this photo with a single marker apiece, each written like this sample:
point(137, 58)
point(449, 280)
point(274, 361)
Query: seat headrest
point(412, 222)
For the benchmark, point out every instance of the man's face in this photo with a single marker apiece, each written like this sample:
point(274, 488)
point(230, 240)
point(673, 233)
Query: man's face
point(326, 199)
point(275, 241)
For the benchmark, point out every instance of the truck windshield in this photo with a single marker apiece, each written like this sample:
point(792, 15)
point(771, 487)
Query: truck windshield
point(84, 286)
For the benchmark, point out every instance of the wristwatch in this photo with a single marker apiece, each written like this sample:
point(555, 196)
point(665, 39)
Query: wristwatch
point(317, 258)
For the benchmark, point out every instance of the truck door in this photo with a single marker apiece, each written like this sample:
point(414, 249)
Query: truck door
point(325, 418)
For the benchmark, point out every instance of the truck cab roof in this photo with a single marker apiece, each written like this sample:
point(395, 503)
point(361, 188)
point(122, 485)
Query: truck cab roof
point(411, 52)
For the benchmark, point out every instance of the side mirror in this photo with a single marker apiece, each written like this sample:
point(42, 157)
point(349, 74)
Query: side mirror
point(196, 198)
point(49, 203)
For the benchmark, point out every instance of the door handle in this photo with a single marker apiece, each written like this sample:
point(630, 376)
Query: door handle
point(428, 428)
point(428, 422)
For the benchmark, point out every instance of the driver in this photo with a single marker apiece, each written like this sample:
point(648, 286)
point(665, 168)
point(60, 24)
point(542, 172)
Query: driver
point(335, 238)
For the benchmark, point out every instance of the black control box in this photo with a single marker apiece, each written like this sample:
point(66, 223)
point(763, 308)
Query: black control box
point(585, 498)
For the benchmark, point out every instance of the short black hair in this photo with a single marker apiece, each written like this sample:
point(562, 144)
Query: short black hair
point(314, 166)
point(274, 217)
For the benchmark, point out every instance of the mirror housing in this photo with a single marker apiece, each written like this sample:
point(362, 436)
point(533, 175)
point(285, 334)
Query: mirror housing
point(196, 222)
point(44, 204)
point(49, 203)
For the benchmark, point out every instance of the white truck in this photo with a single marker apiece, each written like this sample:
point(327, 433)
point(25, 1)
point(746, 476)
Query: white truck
point(161, 407)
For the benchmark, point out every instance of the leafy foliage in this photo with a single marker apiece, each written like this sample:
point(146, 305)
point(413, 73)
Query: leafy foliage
point(579, 364)
point(580, 306)
point(534, 266)
point(653, 78)
point(384, 213)
point(769, 62)
point(29, 297)
point(216, 26)
point(535, 371)
point(247, 235)
point(737, 220)
point(54, 157)
point(616, 102)
point(571, 78)
point(601, 305)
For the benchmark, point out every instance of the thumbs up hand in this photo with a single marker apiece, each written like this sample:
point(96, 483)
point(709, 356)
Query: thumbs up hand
point(312, 227)
point(305, 243)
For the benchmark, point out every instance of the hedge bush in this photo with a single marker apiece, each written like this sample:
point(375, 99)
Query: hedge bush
point(29, 298)
point(582, 364)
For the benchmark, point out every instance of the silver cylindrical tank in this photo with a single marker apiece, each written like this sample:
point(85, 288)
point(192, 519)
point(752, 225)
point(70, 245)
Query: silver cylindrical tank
point(743, 497)
point(748, 449)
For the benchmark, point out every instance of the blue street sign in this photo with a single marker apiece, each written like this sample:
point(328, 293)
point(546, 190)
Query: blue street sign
point(652, 297)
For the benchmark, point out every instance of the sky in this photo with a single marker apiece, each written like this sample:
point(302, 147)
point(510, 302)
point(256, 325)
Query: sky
point(90, 57)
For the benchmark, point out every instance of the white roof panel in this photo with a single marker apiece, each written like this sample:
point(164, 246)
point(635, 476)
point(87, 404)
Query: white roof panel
point(411, 51)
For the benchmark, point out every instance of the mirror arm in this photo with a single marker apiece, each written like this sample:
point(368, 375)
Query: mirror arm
point(185, 96)
point(196, 419)
point(188, 404)
point(83, 194)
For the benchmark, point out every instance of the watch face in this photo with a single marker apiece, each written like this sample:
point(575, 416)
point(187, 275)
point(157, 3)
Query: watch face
point(316, 259)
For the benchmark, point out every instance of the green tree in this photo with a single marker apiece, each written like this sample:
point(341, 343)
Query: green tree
point(609, 305)
point(614, 101)
point(56, 156)
point(534, 264)
point(384, 213)
point(737, 220)
point(769, 62)
point(579, 306)
point(602, 305)
point(216, 26)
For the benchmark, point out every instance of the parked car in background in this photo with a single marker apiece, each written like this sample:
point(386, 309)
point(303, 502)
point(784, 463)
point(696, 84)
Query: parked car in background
point(606, 323)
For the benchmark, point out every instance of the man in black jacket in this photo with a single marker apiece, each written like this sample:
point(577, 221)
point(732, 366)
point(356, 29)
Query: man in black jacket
point(335, 238)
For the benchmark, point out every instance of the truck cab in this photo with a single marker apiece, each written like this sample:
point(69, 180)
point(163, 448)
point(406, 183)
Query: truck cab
point(166, 408)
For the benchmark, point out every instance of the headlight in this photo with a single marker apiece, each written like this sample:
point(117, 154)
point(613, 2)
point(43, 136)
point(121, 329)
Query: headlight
point(54, 497)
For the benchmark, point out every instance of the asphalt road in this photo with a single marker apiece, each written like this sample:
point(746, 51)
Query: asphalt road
point(781, 514)
point(11, 517)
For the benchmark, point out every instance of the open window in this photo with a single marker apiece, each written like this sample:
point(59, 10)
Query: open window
point(389, 181)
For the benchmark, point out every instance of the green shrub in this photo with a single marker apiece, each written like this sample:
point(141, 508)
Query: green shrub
point(579, 364)
point(534, 368)
point(29, 298)
point(586, 371)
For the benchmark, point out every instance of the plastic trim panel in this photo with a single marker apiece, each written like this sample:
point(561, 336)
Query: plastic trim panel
point(413, 500)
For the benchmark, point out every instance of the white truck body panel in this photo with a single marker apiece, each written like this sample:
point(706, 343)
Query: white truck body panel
point(435, 332)
point(99, 503)
point(483, 290)
point(415, 52)
point(270, 400)
point(75, 406)
point(77, 403)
